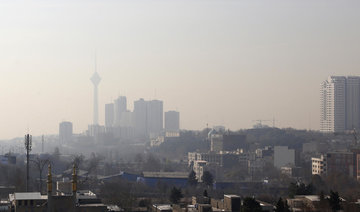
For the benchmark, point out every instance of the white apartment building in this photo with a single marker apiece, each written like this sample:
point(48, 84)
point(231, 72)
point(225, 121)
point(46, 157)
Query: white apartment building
point(340, 104)
point(333, 93)
point(318, 165)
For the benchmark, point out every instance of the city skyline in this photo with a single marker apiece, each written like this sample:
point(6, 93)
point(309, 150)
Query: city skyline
point(217, 63)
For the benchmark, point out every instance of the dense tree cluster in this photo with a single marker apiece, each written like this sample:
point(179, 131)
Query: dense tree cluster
point(175, 195)
point(250, 205)
point(300, 189)
point(192, 181)
point(207, 178)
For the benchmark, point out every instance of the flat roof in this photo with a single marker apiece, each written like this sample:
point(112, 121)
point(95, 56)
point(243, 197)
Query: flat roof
point(166, 174)
point(231, 196)
point(163, 207)
point(27, 196)
point(92, 205)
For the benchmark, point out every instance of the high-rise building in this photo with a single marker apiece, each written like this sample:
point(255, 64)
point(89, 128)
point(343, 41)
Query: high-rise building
point(65, 132)
point(172, 121)
point(353, 102)
point(120, 106)
point(109, 115)
point(148, 117)
point(155, 116)
point(126, 119)
point(340, 104)
point(140, 117)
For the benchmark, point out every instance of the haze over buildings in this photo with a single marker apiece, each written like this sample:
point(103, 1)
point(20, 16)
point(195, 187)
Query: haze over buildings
point(219, 62)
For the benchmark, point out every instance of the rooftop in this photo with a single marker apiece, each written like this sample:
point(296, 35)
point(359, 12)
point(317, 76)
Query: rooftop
point(163, 207)
point(231, 196)
point(166, 174)
point(27, 196)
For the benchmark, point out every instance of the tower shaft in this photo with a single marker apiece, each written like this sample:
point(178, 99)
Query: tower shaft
point(95, 79)
point(96, 106)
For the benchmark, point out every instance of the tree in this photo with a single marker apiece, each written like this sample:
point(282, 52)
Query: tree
point(282, 206)
point(205, 194)
point(279, 205)
point(319, 184)
point(207, 178)
point(251, 205)
point(286, 206)
point(334, 201)
point(152, 164)
point(323, 203)
point(40, 165)
point(192, 181)
point(118, 192)
point(300, 189)
point(93, 163)
point(78, 161)
point(175, 195)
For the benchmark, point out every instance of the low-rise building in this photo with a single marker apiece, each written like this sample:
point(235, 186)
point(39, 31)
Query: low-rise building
point(318, 165)
point(77, 201)
point(162, 208)
point(152, 179)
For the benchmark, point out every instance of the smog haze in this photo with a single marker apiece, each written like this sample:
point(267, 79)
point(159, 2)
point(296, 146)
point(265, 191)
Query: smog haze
point(217, 62)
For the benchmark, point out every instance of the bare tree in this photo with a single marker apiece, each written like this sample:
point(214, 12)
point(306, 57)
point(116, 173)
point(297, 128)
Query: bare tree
point(78, 161)
point(40, 165)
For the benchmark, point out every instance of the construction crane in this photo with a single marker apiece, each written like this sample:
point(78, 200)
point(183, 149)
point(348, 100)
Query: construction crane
point(260, 121)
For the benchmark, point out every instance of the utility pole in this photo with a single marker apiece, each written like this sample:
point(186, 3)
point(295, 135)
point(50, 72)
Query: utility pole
point(28, 144)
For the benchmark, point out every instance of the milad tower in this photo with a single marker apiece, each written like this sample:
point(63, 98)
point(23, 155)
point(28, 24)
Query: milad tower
point(95, 79)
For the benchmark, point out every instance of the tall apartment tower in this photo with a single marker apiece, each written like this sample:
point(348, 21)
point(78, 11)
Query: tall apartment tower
point(340, 104)
point(148, 117)
point(353, 103)
point(172, 121)
point(65, 132)
point(120, 106)
point(155, 117)
point(109, 115)
point(140, 117)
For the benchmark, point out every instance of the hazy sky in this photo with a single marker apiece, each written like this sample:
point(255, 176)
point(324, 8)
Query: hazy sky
point(216, 61)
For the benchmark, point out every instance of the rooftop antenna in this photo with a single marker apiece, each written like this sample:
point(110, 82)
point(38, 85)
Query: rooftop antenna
point(28, 147)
